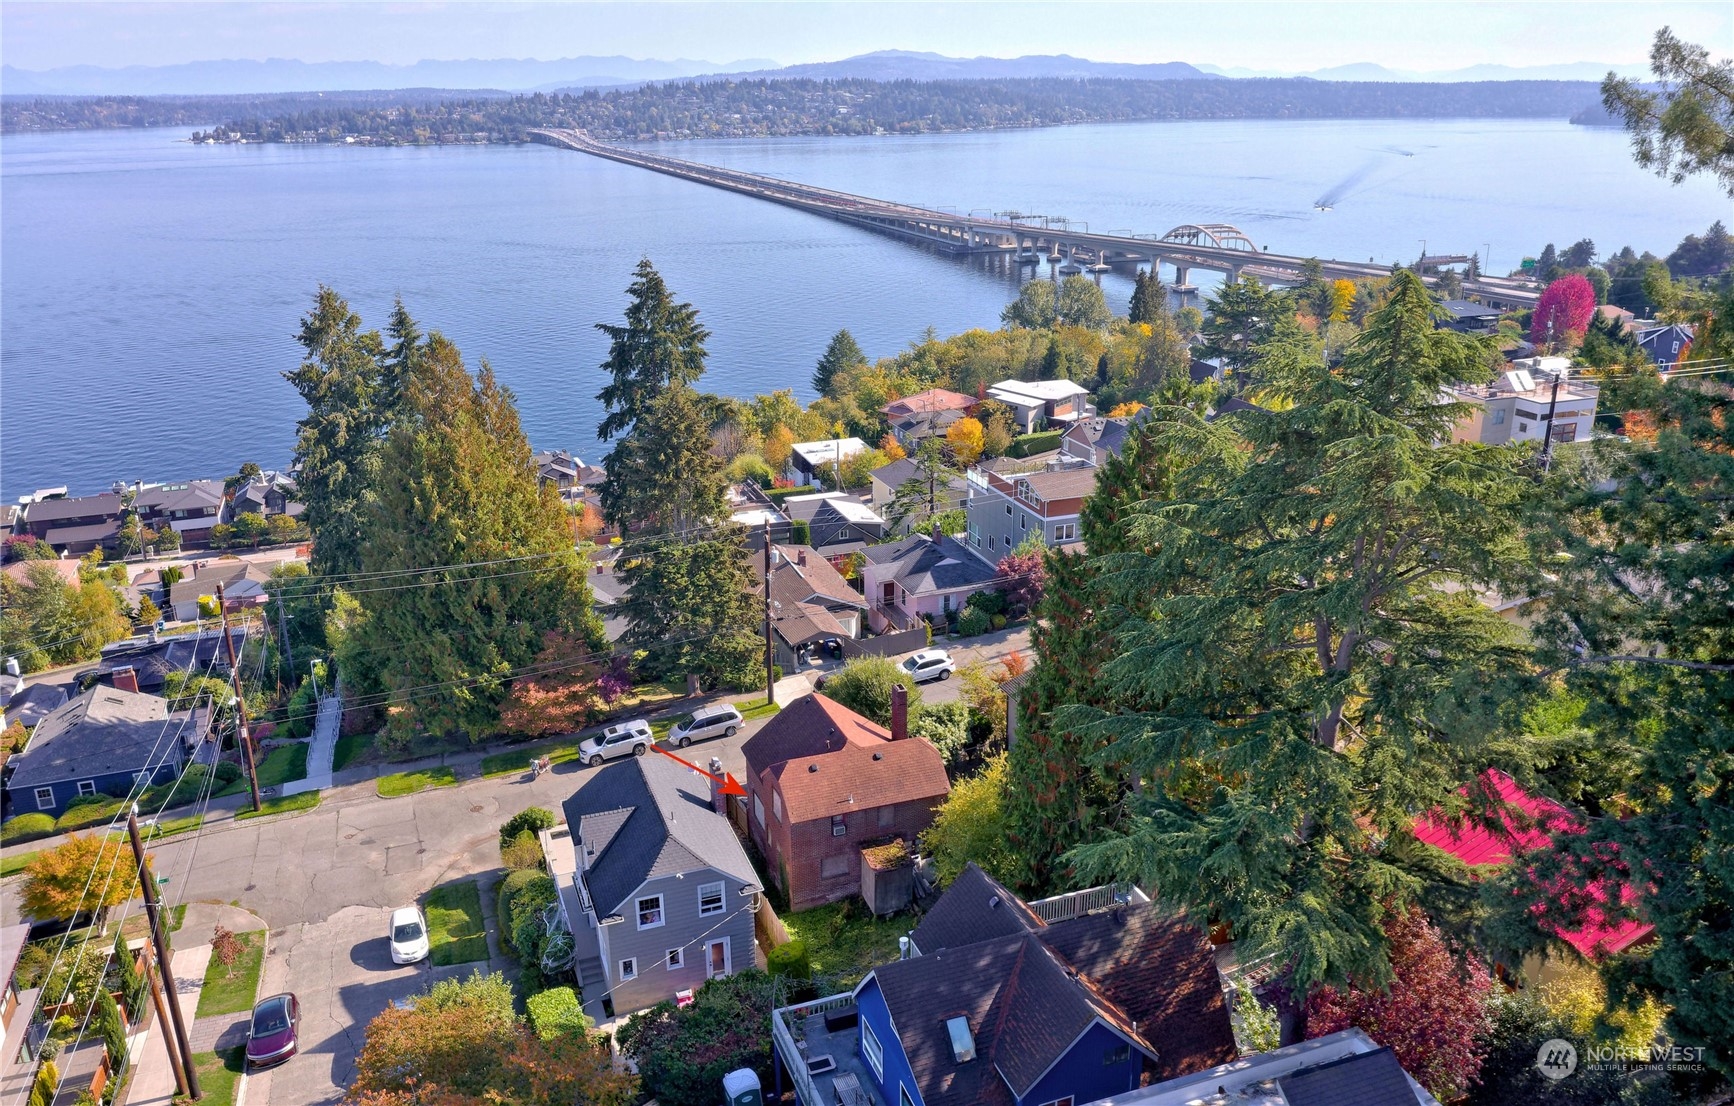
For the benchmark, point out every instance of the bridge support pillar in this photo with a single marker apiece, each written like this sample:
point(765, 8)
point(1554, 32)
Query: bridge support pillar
point(1181, 272)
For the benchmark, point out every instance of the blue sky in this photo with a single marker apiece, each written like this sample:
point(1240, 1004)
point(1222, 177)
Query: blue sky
point(1417, 35)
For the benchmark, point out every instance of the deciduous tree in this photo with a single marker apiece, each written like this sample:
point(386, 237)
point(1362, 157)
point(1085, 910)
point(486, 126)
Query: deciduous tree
point(559, 693)
point(864, 686)
point(85, 873)
point(683, 1052)
point(1563, 313)
point(971, 826)
point(965, 437)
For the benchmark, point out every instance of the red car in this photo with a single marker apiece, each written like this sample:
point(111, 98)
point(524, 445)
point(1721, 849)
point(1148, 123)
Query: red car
point(271, 1034)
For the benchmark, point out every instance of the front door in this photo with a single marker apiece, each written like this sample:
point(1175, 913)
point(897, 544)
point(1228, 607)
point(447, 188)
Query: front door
point(717, 959)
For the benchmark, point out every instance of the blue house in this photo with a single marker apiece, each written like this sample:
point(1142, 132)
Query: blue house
point(1666, 345)
point(1002, 1003)
point(101, 743)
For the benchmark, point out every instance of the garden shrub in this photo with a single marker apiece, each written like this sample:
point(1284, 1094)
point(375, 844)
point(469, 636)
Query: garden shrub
point(86, 811)
point(228, 772)
point(992, 602)
point(790, 960)
point(1028, 445)
point(303, 710)
point(945, 726)
point(26, 826)
point(47, 1080)
point(524, 894)
point(999, 621)
point(777, 495)
point(523, 851)
point(532, 820)
point(683, 1053)
point(973, 622)
point(557, 1013)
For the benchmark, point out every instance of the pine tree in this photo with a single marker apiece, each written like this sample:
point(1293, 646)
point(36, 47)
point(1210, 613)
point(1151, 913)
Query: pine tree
point(662, 476)
point(1547, 265)
point(1149, 298)
point(1243, 317)
point(337, 442)
point(463, 491)
point(662, 344)
point(1292, 676)
point(691, 608)
point(843, 353)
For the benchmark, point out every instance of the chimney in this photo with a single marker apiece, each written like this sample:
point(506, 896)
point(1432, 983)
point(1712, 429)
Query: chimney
point(801, 556)
point(718, 801)
point(899, 712)
point(124, 678)
point(938, 531)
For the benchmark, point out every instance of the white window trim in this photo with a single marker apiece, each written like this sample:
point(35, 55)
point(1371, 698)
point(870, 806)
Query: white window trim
point(1066, 1101)
point(872, 1050)
point(728, 958)
point(661, 912)
point(904, 1098)
point(629, 968)
point(45, 798)
point(721, 902)
point(86, 788)
point(674, 959)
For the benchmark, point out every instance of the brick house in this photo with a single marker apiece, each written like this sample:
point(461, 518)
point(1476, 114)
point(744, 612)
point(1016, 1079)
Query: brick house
point(823, 783)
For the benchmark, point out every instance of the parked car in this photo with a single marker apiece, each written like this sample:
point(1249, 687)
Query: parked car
point(930, 664)
point(408, 935)
point(618, 740)
point(705, 723)
point(271, 1035)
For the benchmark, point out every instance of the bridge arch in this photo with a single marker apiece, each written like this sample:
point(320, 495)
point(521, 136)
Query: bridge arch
point(1221, 236)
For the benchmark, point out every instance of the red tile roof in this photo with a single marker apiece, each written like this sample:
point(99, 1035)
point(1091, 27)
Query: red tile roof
point(1528, 823)
point(934, 399)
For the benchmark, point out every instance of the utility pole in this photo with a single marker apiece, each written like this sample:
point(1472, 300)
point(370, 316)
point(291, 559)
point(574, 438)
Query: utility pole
point(1547, 427)
point(159, 935)
point(152, 966)
point(770, 666)
point(283, 636)
point(240, 702)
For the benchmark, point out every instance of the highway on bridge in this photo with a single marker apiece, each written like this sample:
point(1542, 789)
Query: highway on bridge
point(1030, 240)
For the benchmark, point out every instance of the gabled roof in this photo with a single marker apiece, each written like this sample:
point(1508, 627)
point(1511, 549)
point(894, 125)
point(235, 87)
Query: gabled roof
point(1527, 824)
point(104, 731)
point(921, 565)
point(975, 907)
point(189, 588)
point(186, 495)
point(30, 705)
point(928, 402)
point(806, 575)
point(65, 567)
point(828, 760)
point(1368, 1079)
point(1107, 435)
point(152, 661)
point(93, 531)
point(89, 506)
point(647, 817)
point(1024, 1010)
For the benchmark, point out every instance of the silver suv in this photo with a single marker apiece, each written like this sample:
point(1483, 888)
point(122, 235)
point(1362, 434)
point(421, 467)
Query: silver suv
point(618, 740)
point(929, 664)
point(721, 720)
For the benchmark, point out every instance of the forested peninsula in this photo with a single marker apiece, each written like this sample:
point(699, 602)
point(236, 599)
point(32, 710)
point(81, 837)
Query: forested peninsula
point(758, 108)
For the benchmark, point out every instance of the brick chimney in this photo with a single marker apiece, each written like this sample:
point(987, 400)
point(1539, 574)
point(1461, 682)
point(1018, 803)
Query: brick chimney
point(124, 678)
point(899, 712)
point(801, 556)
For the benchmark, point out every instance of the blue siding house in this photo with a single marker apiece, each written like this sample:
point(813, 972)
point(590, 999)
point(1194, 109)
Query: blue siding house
point(102, 743)
point(1002, 1003)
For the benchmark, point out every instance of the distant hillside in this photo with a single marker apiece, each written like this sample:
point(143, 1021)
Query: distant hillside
point(1370, 71)
point(906, 65)
point(227, 78)
point(747, 108)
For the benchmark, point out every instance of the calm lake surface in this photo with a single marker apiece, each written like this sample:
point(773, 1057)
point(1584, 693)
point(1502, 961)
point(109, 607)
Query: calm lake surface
point(150, 289)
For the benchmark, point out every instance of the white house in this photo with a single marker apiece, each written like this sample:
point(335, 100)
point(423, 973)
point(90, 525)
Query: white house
point(807, 458)
point(1514, 407)
point(1035, 403)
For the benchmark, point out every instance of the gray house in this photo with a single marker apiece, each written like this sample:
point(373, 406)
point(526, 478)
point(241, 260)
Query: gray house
point(654, 884)
point(103, 742)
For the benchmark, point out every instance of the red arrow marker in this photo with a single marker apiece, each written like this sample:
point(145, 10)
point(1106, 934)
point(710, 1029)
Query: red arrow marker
point(730, 785)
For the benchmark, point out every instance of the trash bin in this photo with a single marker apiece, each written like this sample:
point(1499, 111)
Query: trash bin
point(741, 1087)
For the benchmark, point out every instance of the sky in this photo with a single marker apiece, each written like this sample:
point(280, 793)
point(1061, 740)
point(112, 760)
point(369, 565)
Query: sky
point(1400, 34)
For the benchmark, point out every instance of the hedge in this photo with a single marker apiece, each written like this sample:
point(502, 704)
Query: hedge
point(1030, 444)
point(524, 894)
point(777, 495)
point(531, 820)
point(557, 1013)
point(26, 827)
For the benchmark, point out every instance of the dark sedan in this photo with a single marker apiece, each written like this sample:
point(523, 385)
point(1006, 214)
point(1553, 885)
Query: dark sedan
point(271, 1035)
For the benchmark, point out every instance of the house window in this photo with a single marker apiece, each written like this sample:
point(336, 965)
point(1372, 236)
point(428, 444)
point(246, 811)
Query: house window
point(1499, 418)
point(45, 798)
point(834, 867)
point(1522, 414)
point(1523, 428)
point(887, 816)
point(87, 787)
point(710, 899)
point(628, 969)
point(1119, 1054)
point(1024, 523)
point(1008, 510)
point(777, 805)
point(1066, 1101)
point(839, 828)
point(872, 1050)
point(675, 959)
point(1066, 531)
point(759, 811)
point(903, 1098)
point(650, 912)
point(991, 540)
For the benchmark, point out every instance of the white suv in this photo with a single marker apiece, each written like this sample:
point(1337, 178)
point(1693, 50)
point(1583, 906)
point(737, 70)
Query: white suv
point(617, 741)
point(929, 664)
point(721, 720)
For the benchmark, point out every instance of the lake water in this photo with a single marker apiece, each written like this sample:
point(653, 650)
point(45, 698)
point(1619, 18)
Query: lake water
point(150, 289)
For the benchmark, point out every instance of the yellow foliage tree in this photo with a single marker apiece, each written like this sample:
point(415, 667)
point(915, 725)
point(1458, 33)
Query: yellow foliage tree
point(1342, 298)
point(1578, 997)
point(1127, 409)
point(966, 439)
point(86, 873)
point(971, 825)
point(892, 448)
point(779, 443)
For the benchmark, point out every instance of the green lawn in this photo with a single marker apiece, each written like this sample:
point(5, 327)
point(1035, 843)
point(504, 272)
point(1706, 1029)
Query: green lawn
point(168, 827)
point(518, 760)
point(219, 1075)
point(846, 941)
point(177, 916)
point(282, 765)
point(307, 800)
point(350, 749)
point(15, 863)
point(235, 988)
point(454, 922)
point(408, 783)
point(759, 709)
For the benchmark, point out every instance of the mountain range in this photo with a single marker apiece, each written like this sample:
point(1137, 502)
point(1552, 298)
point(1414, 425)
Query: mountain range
point(234, 77)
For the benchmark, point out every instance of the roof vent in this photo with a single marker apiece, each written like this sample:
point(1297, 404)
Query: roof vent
point(993, 903)
point(878, 756)
point(962, 1043)
point(812, 767)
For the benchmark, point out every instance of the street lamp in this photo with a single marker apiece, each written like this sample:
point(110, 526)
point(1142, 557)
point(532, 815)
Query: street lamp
point(313, 673)
point(1547, 427)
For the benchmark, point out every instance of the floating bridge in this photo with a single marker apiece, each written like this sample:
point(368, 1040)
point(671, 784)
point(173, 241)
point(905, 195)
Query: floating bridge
point(1067, 245)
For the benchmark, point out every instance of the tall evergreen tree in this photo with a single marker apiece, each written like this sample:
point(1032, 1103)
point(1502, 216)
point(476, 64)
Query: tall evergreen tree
point(928, 490)
point(1149, 298)
point(1244, 317)
point(690, 607)
point(337, 442)
point(660, 344)
point(662, 476)
point(463, 492)
point(843, 353)
point(1301, 664)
